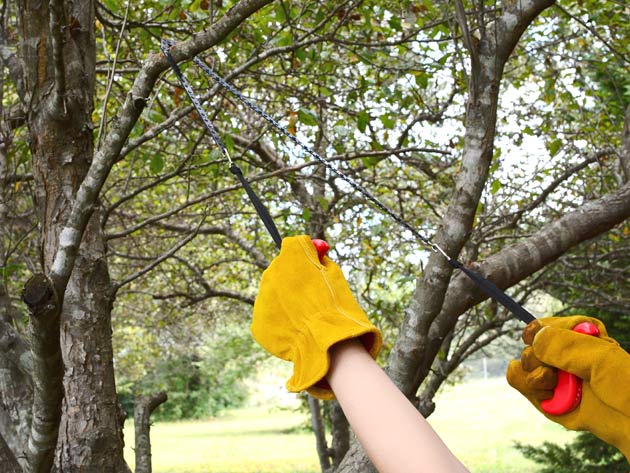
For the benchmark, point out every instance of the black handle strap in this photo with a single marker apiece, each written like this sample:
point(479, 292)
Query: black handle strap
point(261, 210)
point(494, 292)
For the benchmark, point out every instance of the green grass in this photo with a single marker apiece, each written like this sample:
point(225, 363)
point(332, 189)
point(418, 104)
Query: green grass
point(250, 440)
point(478, 420)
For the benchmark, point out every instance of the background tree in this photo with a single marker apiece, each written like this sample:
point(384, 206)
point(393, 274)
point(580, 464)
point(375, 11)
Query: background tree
point(113, 195)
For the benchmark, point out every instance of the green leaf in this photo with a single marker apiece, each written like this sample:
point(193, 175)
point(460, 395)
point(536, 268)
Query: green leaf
point(156, 164)
point(395, 23)
point(307, 117)
point(554, 147)
point(371, 161)
point(387, 121)
point(363, 119)
point(306, 214)
point(285, 39)
point(422, 80)
point(324, 203)
point(495, 187)
point(10, 269)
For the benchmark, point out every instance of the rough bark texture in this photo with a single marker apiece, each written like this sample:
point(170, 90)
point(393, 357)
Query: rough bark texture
point(59, 69)
point(319, 430)
point(7, 460)
point(43, 303)
point(625, 149)
point(16, 387)
point(340, 430)
point(144, 406)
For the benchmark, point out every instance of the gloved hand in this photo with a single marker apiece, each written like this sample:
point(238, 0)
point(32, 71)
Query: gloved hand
point(302, 309)
point(601, 363)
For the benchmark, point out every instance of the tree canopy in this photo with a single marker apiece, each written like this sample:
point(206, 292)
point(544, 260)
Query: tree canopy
point(500, 130)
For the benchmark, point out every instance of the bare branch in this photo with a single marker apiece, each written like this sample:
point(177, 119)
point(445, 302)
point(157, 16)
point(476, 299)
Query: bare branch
point(192, 300)
point(156, 262)
point(460, 15)
point(553, 186)
point(39, 295)
point(110, 80)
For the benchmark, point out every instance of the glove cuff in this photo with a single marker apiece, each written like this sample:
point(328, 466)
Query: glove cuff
point(311, 359)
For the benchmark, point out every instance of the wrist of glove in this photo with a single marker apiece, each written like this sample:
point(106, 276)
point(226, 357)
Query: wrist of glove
point(303, 308)
point(600, 362)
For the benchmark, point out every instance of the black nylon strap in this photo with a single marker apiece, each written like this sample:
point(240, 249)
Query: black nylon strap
point(261, 210)
point(493, 291)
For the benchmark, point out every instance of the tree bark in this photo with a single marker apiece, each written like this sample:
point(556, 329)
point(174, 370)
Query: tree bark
point(144, 407)
point(7, 459)
point(16, 387)
point(340, 431)
point(43, 303)
point(319, 430)
point(57, 48)
point(625, 146)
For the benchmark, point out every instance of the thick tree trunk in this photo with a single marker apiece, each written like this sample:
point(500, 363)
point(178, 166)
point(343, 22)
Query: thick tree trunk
point(59, 68)
point(91, 427)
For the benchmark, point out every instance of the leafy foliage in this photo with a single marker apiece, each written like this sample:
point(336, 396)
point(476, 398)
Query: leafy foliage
point(586, 454)
point(200, 381)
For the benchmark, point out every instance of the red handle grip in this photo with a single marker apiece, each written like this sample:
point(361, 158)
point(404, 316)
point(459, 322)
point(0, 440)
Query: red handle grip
point(322, 248)
point(568, 391)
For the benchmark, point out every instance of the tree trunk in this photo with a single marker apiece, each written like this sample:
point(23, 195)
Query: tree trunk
point(144, 407)
point(91, 427)
point(340, 431)
point(319, 430)
point(59, 68)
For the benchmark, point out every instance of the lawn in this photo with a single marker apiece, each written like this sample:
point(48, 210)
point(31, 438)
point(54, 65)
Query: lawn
point(478, 420)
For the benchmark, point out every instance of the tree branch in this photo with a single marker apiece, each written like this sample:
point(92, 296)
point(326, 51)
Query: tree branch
point(43, 303)
point(141, 272)
point(625, 146)
point(126, 118)
point(56, 20)
point(551, 187)
point(594, 32)
point(515, 263)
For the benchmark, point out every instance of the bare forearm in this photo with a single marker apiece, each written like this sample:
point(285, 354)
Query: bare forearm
point(393, 433)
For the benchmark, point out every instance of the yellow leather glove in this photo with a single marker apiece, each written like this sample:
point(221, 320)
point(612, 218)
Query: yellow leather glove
point(601, 363)
point(302, 309)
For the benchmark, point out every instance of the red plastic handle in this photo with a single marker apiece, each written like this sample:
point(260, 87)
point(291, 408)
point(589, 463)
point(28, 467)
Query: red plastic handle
point(568, 391)
point(322, 248)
